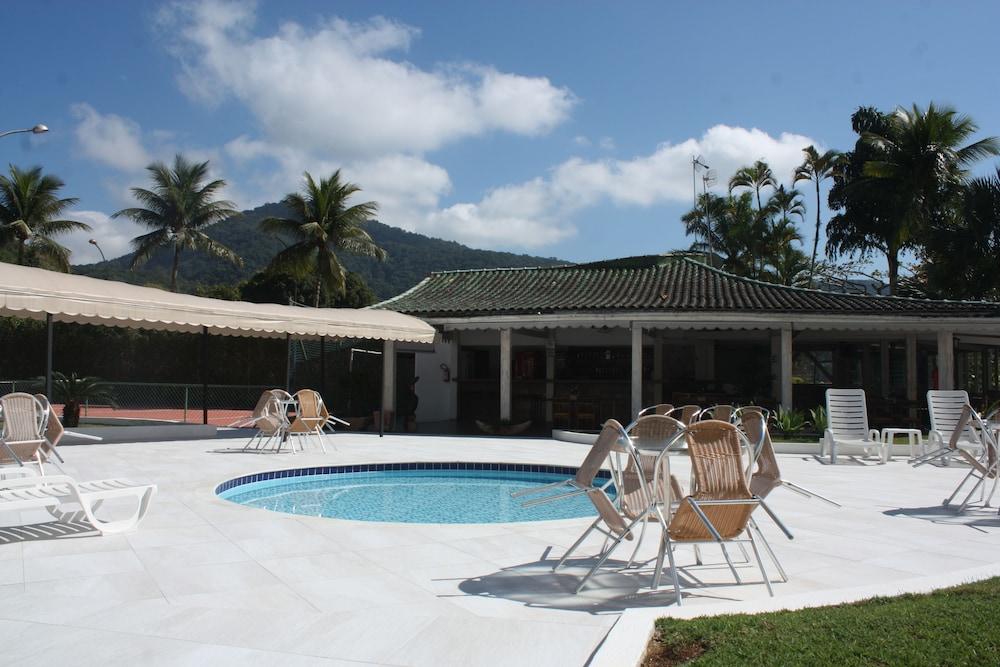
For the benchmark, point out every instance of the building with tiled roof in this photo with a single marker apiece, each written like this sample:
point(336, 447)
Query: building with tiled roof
point(573, 345)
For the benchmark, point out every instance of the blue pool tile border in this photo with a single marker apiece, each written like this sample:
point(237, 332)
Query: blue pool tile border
point(383, 467)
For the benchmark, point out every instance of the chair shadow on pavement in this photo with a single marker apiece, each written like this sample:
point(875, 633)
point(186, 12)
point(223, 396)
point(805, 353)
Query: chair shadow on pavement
point(611, 590)
point(974, 517)
point(48, 530)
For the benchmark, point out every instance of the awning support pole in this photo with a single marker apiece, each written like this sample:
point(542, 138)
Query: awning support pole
point(288, 363)
point(204, 375)
point(48, 356)
point(381, 411)
point(322, 367)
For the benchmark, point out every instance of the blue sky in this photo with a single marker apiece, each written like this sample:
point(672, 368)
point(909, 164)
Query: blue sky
point(556, 128)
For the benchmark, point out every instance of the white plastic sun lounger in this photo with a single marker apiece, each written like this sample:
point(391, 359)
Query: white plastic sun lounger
point(52, 492)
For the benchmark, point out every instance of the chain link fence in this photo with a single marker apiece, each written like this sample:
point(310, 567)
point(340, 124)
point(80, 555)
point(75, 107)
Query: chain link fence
point(153, 401)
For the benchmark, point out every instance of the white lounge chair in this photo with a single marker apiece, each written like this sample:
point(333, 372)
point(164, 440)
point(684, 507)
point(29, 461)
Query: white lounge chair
point(53, 492)
point(847, 426)
point(945, 408)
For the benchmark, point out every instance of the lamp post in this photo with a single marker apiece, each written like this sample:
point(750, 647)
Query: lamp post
point(695, 163)
point(38, 129)
point(93, 242)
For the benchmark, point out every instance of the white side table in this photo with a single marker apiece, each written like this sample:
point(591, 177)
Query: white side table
point(913, 437)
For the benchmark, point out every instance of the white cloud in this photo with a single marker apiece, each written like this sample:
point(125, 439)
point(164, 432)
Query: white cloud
point(540, 212)
point(112, 235)
point(341, 87)
point(109, 139)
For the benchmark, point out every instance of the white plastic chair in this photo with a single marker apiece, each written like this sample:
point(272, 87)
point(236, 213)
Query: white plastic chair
point(945, 408)
point(847, 426)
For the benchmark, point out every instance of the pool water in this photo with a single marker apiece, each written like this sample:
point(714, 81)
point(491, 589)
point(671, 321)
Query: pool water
point(412, 496)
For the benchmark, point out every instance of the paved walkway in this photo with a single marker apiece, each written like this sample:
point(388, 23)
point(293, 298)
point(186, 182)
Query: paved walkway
point(207, 580)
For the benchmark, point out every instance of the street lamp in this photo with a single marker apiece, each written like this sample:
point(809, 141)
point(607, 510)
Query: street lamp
point(38, 129)
point(93, 242)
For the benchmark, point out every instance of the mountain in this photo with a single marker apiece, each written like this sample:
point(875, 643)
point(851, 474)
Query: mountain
point(411, 257)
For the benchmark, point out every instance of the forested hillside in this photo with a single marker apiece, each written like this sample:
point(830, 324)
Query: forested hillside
point(411, 257)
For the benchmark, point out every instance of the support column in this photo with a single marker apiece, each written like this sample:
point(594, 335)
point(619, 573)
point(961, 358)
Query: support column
point(785, 363)
point(775, 341)
point(911, 367)
point(946, 360)
point(505, 363)
point(883, 361)
point(48, 356)
point(911, 374)
point(636, 370)
point(658, 368)
point(550, 374)
point(388, 384)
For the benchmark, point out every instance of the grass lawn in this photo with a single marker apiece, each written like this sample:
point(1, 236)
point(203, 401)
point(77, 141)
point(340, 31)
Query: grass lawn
point(953, 626)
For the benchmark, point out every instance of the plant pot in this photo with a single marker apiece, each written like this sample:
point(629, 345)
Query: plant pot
point(71, 414)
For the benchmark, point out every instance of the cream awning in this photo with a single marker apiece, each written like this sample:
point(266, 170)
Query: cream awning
point(30, 292)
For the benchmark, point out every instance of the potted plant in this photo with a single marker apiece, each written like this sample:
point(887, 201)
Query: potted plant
point(789, 422)
point(73, 391)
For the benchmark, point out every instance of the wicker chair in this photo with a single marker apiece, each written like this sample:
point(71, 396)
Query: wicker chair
point(310, 416)
point(651, 432)
point(658, 409)
point(23, 434)
point(586, 475)
point(270, 421)
point(724, 413)
point(720, 507)
point(686, 414)
point(53, 433)
point(982, 467)
point(618, 522)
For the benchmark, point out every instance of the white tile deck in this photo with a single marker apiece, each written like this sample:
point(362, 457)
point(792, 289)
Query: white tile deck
point(206, 580)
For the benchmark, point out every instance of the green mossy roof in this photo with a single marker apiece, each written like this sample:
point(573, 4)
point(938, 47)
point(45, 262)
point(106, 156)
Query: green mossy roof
point(649, 283)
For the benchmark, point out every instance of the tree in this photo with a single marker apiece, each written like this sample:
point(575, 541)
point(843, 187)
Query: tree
point(905, 176)
point(737, 232)
point(816, 168)
point(177, 209)
point(270, 287)
point(961, 254)
point(789, 266)
point(29, 217)
point(322, 224)
point(756, 176)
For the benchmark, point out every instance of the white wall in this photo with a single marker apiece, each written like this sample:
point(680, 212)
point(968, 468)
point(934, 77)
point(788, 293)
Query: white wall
point(438, 399)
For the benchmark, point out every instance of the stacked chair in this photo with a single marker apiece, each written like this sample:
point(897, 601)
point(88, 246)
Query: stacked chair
point(971, 427)
point(273, 428)
point(731, 476)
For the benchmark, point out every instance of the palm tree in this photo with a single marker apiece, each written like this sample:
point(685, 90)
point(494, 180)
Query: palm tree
point(924, 157)
point(177, 209)
point(737, 234)
point(960, 258)
point(322, 223)
point(789, 266)
point(757, 176)
point(905, 176)
point(29, 216)
point(816, 168)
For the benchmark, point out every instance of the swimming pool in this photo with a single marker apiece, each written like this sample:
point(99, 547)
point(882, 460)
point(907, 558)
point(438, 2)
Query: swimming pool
point(455, 492)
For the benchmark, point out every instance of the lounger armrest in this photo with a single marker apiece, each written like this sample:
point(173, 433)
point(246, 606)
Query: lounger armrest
point(875, 435)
